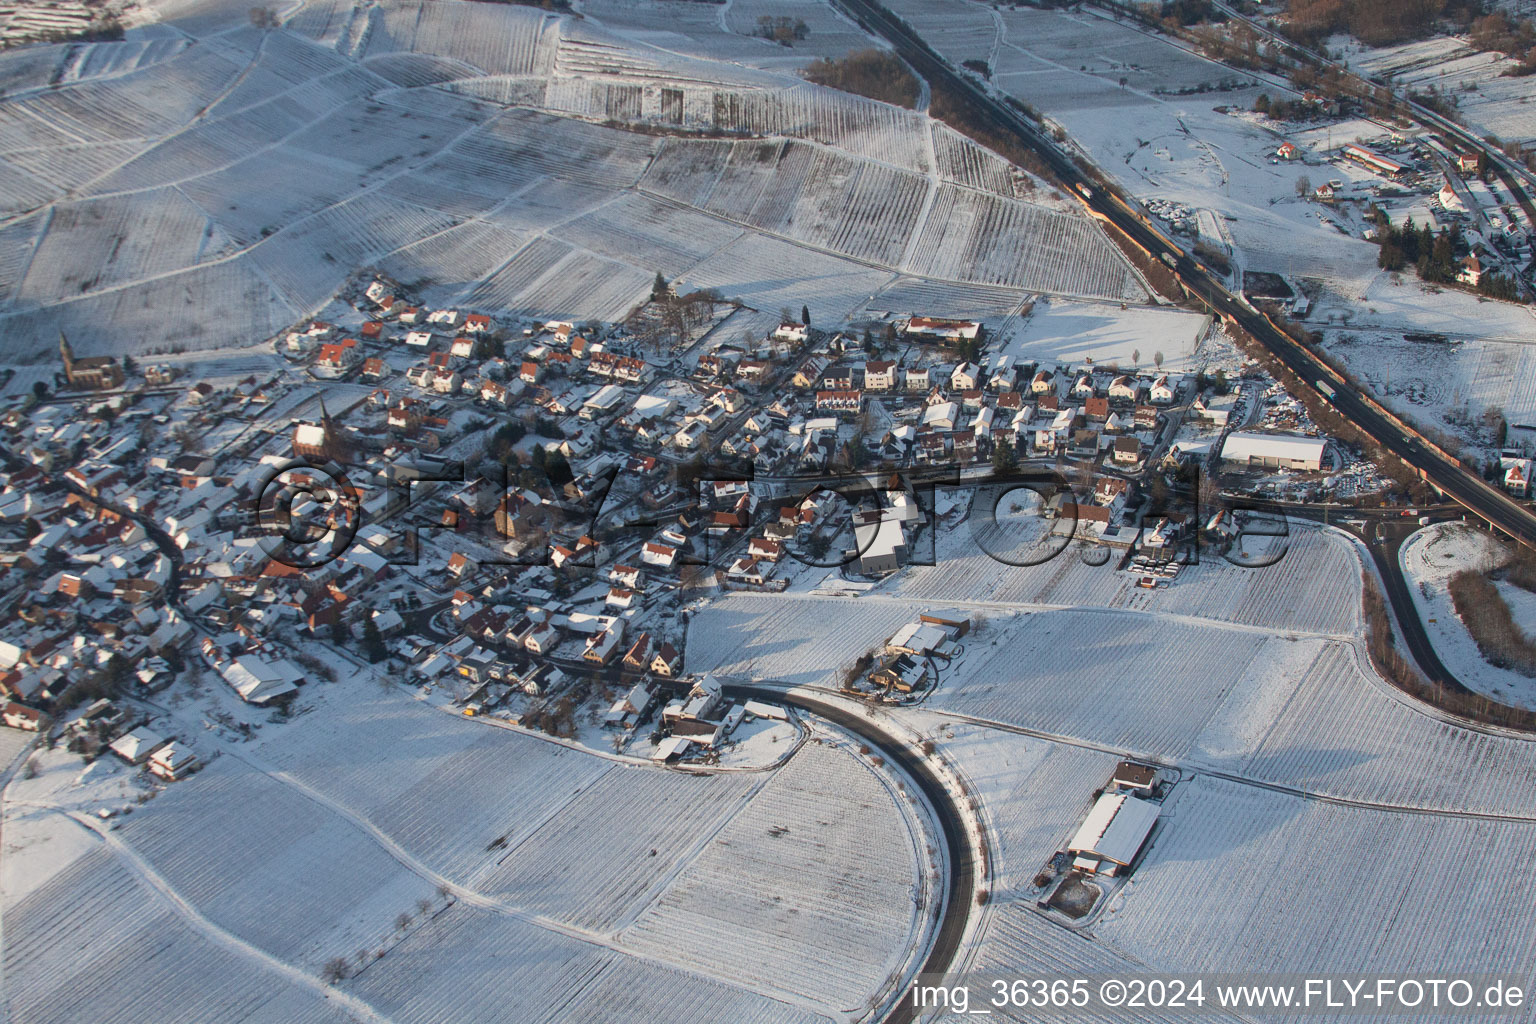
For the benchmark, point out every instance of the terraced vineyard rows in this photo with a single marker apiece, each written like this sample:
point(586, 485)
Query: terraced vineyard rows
point(95, 944)
point(1346, 735)
point(256, 858)
point(1066, 673)
point(1220, 892)
point(826, 874)
point(631, 826)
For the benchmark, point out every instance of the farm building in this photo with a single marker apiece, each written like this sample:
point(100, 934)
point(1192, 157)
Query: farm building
point(258, 681)
point(943, 330)
point(917, 638)
point(1373, 161)
point(881, 543)
point(1134, 777)
point(1113, 833)
point(1274, 451)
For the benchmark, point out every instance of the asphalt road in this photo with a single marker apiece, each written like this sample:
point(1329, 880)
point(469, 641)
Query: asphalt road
point(1467, 489)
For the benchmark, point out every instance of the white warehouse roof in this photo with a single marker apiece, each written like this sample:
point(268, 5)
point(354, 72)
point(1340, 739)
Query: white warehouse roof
point(608, 396)
point(1245, 445)
point(1115, 828)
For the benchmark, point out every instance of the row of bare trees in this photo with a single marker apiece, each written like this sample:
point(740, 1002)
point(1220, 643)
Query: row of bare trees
point(1491, 623)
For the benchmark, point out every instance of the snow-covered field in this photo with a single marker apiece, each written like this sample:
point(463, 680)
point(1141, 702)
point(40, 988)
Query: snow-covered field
point(829, 886)
point(566, 875)
point(1451, 382)
point(1059, 331)
point(1489, 101)
point(210, 192)
point(1429, 559)
point(1239, 874)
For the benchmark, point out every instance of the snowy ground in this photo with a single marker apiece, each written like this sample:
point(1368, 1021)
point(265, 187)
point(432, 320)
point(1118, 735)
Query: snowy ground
point(1430, 558)
point(1283, 739)
point(1489, 101)
point(1059, 331)
point(226, 181)
point(419, 845)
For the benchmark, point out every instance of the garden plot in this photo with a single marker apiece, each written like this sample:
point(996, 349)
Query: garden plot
point(1439, 381)
point(785, 638)
point(474, 965)
point(1245, 879)
point(94, 943)
point(1073, 333)
point(811, 891)
point(1429, 559)
point(257, 858)
point(1487, 98)
point(1066, 674)
point(631, 826)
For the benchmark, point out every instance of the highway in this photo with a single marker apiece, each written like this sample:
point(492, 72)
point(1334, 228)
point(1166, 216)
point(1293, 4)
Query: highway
point(1433, 465)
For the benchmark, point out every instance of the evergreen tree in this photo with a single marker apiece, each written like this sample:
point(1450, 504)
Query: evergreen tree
point(373, 642)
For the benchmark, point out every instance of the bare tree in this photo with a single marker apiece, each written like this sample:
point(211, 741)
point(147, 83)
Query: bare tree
point(1135, 357)
point(1303, 185)
point(1157, 357)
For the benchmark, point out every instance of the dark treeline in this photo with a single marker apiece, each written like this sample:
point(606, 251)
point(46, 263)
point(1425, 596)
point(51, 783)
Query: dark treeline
point(1376, 22)
point(873, 73)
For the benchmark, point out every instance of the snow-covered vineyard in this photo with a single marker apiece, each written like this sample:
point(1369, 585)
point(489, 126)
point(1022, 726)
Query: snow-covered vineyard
point(446, 852)
point(1296, 764)
point(215, 166)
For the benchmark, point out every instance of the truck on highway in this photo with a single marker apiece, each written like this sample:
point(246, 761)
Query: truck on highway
point(1085, 190)
point(1168, 259)
point(1327, 389)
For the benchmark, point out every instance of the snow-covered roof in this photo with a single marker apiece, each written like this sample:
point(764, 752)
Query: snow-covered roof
point(257, 681)
point(1115, 828)
point(1245, 445)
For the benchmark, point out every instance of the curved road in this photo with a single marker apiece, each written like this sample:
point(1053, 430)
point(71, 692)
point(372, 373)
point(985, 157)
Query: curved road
point(962, 865)
point(1432, 464)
